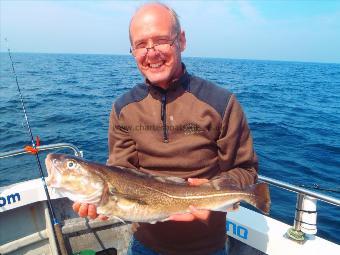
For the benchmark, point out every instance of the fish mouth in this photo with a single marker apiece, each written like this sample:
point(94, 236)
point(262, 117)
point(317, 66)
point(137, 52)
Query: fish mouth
point(54, 177)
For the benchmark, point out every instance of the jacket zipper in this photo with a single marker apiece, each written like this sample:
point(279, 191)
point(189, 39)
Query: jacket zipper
point(163, 117)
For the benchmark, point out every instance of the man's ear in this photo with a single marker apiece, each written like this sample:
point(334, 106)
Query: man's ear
point(182, 41)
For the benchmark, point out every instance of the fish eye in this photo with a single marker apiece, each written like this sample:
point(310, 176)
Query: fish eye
point(71, 164)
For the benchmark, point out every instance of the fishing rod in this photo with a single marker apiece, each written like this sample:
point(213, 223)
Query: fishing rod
point(57, 228)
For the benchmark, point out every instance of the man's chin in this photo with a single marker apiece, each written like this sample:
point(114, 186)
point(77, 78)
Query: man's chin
point(158, 80)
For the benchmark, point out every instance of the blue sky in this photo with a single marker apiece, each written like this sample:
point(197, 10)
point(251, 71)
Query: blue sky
point(300, 30)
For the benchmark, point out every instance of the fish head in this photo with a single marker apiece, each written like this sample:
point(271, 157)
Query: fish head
point(74, 177)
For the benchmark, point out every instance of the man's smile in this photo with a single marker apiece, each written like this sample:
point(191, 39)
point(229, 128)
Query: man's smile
point(156, 65)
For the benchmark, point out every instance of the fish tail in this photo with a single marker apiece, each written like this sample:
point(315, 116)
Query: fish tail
point(261, 198)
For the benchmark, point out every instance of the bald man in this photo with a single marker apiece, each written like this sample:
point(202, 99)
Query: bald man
point(200, 133)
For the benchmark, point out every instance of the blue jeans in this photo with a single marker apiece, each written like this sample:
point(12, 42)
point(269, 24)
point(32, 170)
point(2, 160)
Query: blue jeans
point(137, 248)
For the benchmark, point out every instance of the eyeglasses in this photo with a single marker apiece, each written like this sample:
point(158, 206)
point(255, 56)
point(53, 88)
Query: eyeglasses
point(161, 45)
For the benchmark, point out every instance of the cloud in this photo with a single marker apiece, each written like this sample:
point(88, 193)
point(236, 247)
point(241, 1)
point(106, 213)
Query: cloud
point(250, 13)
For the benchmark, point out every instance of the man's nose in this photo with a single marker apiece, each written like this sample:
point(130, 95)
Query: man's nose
point(151, 51)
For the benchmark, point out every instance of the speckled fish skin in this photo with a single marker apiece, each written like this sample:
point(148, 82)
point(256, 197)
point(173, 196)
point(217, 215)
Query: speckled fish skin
point(137, 197)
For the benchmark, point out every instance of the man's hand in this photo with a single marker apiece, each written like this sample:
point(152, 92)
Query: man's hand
point(87, 210)
point(197, 181)
point(195, 214)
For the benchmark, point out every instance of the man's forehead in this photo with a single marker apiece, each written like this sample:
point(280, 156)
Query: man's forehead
point(150, 23)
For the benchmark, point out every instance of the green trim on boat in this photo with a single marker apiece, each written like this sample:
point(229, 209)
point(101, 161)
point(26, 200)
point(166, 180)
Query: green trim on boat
point(85, 252)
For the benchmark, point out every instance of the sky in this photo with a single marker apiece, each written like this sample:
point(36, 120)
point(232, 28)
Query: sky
point(293, 30)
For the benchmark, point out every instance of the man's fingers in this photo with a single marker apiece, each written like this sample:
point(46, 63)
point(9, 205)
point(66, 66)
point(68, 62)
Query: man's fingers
point(202, 215)
point(182, 217)
point(87, 210)
point(197, 181)
point(83, 210)
point(76, 206)
point(92, 211)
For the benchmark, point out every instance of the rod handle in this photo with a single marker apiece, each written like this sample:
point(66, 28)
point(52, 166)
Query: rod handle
point(60, 239)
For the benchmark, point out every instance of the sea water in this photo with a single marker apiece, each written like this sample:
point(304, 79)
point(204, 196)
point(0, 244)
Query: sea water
point(293, 110)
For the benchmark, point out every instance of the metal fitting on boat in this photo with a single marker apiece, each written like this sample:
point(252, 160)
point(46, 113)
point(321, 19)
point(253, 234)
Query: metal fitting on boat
point(308, 215)
point(305, 218)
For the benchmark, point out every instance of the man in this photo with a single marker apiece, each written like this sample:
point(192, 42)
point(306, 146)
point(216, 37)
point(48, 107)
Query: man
point(176, 124)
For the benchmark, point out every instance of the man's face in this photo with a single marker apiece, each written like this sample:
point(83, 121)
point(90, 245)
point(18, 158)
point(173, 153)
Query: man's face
point(155, 26)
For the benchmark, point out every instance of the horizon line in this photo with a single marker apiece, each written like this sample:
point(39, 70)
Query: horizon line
point(229, 58)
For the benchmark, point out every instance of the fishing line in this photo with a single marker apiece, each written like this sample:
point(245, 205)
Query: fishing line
point(57, 228)
point(317, 187)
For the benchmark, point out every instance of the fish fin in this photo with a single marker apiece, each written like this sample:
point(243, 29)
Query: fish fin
point(166, 219)
point(126, 199)
point(128, 204)
point(223, 183)
point(171, 179)
point(220, 183)
point(164, 179)
point(228, 207)
point(116, 196)
point(117, 218)
point(136, 172)
point(261, 199)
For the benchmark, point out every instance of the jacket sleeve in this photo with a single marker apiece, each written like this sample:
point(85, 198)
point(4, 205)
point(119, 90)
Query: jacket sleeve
point(122, 148)
point(237, 159)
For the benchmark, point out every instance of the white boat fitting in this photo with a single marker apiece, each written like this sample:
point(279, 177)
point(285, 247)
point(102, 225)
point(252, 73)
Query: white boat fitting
point(26, 226)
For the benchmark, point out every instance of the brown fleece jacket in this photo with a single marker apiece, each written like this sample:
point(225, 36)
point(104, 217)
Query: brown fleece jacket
point(193, 129)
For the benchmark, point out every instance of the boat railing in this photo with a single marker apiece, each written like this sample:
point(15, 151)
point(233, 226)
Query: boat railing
point(300, 190)
point(305, 211)
point(55, 146)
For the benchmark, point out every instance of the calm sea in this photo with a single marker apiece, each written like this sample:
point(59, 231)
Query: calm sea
point(293, 110)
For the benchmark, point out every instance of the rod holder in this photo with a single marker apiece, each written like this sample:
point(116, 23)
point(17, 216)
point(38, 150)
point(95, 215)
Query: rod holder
point(305, 218)
point(308, 215)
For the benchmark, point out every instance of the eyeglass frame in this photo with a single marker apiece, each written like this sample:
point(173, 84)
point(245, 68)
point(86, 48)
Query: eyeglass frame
point(155, 44)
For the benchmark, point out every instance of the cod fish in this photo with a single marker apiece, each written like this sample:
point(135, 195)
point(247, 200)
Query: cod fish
point(133, 196)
